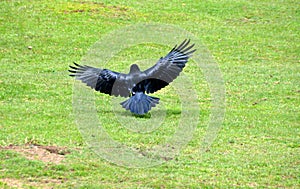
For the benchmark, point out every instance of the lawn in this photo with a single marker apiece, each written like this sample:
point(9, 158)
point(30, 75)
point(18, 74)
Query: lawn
point(255, 45)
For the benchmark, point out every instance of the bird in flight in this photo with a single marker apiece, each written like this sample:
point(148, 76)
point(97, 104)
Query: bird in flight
point(136, 83)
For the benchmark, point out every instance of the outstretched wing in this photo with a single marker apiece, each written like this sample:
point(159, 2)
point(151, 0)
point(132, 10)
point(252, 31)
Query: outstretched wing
point(168, 67)
point(102, 80)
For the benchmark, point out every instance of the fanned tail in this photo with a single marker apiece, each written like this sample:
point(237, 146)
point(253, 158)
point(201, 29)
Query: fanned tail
point(140, 103)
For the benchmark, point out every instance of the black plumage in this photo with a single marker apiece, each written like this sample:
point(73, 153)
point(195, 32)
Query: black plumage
point(136, 83)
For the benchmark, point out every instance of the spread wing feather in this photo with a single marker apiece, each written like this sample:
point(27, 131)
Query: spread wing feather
point(151, 80)
point(167, 68)
point(102, 80)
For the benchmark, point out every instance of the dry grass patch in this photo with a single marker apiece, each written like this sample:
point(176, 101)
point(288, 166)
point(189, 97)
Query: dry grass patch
point(28, 183)
point(47, 154)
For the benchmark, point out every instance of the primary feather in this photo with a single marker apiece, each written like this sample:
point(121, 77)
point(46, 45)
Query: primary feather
point(136, 83)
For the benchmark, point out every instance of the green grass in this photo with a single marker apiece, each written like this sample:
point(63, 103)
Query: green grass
point(255, 43)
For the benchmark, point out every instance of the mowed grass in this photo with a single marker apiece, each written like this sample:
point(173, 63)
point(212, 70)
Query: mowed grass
point(255, 43)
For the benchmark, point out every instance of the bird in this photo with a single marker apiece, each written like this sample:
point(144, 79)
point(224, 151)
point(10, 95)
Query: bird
point(136, 84)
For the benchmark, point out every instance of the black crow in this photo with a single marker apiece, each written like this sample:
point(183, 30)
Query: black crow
point(136, 83)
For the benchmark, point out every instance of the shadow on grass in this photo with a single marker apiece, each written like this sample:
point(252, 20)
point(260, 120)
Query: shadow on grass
point(148, 115)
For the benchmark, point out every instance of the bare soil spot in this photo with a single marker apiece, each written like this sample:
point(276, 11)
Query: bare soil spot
point(94, 7)
point(25, 183)
point(47, 154)
point(11, 182)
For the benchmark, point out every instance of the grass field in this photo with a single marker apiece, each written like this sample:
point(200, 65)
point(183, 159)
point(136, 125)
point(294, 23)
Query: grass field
point(255, 43)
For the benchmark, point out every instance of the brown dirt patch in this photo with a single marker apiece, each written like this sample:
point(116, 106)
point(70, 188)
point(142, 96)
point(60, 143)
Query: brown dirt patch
point(25, 183)
point(11, 182)
point(47, 154)
point(94, 7)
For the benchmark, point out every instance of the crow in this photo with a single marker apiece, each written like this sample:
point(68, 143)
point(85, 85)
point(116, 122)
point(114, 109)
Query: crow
point(136, 83)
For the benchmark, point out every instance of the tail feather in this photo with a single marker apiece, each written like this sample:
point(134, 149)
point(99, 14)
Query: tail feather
point(140, 103)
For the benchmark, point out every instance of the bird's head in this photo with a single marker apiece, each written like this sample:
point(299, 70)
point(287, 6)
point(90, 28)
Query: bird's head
point(134, 69)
